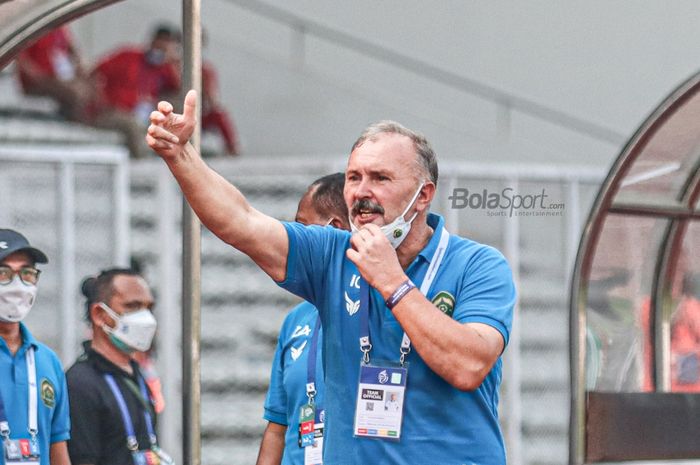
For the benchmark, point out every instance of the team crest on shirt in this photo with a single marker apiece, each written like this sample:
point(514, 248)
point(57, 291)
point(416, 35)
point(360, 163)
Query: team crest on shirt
point(48, 393)
point(352, 306)
point(445, 302)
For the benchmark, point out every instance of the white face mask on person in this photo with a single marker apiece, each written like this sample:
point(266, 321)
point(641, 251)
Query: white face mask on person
point(16, 299)
point(397, 230)
point(134, 330)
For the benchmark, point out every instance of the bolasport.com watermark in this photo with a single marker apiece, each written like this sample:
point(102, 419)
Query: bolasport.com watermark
point(506, 202)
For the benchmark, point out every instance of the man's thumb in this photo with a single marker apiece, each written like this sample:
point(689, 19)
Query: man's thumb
point(190, 109)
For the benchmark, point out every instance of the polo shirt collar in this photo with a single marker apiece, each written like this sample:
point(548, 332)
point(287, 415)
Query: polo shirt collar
point(436, 222)
point(27, 338)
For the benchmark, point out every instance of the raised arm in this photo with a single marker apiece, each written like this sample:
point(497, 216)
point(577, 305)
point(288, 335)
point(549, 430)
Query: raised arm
point(218, 204)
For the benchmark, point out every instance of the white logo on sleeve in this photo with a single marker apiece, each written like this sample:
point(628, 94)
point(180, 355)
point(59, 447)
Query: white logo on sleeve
point(355, 281)
point(3, 245)
point(296, 351)
point(352, 306)
point(301, 331)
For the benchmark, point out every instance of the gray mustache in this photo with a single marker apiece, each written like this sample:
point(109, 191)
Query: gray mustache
point(366, 204)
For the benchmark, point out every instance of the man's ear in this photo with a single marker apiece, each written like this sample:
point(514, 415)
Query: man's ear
point(337, 223)
point(98, 316)
point(426, 195)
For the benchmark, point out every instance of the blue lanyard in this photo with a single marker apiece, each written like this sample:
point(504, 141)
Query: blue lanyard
point(131, 441)
point(4, 423)
point(311, 362)
point(146, 414)
point(426, 285)
point(32, 400)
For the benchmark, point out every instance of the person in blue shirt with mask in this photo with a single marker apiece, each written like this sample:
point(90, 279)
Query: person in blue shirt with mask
point(323, 205)
point(34, 417)
point(405, 307)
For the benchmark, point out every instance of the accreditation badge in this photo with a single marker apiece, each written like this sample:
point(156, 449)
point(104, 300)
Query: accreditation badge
point(380, 399)
point(21, 452)
point(145, 457)
point(307, 416)
point(313, 454)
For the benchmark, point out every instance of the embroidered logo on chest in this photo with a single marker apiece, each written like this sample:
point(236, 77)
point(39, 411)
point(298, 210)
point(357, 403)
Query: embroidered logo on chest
point(48, 393)
point(445, 302)
point(352, 306)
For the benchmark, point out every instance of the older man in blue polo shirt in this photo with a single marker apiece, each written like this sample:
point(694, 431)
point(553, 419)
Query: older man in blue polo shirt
point(34, 423)
point(406, 308)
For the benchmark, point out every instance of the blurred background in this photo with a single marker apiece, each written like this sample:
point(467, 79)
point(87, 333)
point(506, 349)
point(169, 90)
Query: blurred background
point(535, 97)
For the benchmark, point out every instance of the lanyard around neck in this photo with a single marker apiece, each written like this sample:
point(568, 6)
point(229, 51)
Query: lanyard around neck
point(131, 441)
point(33, 420)
point(365, 343)
point(311, 363)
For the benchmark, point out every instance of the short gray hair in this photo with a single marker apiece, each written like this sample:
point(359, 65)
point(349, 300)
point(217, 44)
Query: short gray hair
point(425, 155)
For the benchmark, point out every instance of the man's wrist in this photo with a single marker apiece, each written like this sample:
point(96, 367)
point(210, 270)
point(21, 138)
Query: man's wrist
point(399, 293)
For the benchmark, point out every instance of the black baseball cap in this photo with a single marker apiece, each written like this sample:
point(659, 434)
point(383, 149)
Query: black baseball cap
point(12, 241)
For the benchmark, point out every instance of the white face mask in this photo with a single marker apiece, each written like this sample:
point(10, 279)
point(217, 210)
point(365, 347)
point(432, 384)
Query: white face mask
point(16, 299)
point(134, 330)
point(397, 230)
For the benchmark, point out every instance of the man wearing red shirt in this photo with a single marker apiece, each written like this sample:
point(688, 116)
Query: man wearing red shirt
point(130, 82)
point(51, 67)
point(214, 116)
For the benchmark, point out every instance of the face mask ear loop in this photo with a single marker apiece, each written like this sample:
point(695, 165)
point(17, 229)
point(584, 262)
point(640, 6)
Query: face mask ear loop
point(410, 204)
point(112, 314)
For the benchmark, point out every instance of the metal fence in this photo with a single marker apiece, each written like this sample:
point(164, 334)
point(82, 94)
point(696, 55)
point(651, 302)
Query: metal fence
point(72, 203)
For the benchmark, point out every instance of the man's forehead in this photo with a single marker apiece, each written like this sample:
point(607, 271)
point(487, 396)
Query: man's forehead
point(19, 256)
point(383, 149)
point(130, 287)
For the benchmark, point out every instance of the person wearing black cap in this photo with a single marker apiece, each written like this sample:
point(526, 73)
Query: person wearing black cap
point(112, 408)
point(34, 421)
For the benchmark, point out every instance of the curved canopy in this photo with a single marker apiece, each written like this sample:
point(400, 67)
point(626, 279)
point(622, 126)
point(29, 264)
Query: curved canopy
point(22, 21)
point(635, 302)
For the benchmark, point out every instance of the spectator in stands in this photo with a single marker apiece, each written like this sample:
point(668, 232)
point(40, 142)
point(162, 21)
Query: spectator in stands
point(362, 284)
point(323, 205)
point(129, 82)
point(30, 432)
point(214, 116)
point(112, 408)
point(51, 67)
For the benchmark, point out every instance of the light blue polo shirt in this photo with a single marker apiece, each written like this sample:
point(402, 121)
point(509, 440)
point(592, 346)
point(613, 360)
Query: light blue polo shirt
point(53, 419)
point(441, 424)
point(287, 391)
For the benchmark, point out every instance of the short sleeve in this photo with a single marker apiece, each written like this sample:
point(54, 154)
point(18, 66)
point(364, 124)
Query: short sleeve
point(487, 292)
point(276, 399)
point(310, 251)
point(85, 445)
point(60, 423)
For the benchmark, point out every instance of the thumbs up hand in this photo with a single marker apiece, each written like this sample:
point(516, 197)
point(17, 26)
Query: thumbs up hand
point(169, 132)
